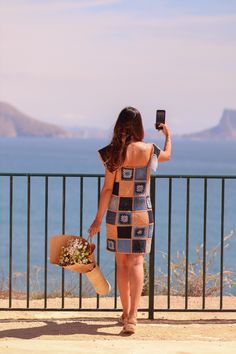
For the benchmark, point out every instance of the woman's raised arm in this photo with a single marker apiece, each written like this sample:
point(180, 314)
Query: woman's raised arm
point(166, 153)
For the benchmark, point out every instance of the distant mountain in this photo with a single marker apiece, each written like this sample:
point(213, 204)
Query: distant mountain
point(14, 123)
point(225, 129)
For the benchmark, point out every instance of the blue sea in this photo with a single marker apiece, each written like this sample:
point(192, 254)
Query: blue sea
point(42, 155)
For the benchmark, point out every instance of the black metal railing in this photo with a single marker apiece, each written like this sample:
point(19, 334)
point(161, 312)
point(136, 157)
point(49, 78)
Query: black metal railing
point(168, 226)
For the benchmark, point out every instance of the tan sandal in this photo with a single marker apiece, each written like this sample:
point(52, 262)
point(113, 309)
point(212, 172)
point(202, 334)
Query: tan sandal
point(130, 326)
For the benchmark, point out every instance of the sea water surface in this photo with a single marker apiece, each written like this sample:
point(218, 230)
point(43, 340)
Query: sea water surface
point(43, 155)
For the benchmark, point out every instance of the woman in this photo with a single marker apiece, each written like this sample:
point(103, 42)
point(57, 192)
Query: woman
point(126, 197)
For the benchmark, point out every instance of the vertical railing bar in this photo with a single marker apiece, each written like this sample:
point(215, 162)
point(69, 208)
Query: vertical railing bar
point(45, 241)
point(81, 233)
point(10, 242)
point(187, 244)
point(152, 254)
point(115, 285)
point(204, 246)
point(63, 232)
point(222, 241)
point(98, 235)
point(28, 241)
point(169, 240)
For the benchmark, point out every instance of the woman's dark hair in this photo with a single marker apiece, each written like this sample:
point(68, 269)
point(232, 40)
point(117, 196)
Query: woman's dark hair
point(128, 128)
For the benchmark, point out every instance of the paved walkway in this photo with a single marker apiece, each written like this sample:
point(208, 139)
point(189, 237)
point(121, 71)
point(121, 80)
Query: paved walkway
point(93, 333)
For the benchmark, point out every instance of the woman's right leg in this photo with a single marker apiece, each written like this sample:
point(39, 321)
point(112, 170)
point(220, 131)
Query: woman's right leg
point(123, 281)
point(136, 273)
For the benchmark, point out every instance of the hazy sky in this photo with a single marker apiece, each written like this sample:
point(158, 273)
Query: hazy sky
point(80, 62)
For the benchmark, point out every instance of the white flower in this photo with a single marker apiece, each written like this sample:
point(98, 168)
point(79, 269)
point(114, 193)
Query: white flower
point(75, 251)
point(124, 218)
point(140, 188)
point(127, 173)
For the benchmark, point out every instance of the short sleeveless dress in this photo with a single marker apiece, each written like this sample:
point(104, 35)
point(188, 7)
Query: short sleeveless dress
point(129, 216)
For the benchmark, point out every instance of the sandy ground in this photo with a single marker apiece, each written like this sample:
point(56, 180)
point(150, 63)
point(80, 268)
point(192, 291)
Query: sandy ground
point(97, 332)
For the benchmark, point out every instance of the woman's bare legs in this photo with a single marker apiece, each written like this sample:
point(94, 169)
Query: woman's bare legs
point(136, 277)
point(130, 277)
point(122, 263)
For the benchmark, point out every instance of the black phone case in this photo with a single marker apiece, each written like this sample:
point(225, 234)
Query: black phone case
point(160, 118)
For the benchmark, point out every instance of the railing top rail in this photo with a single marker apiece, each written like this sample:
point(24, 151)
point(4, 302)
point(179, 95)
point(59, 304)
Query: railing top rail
point(58, 174)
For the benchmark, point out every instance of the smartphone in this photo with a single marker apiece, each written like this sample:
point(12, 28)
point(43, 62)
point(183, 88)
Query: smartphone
point(160, 118)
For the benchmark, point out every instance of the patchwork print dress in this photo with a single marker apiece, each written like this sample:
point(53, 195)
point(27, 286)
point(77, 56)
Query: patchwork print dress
point(129, 217)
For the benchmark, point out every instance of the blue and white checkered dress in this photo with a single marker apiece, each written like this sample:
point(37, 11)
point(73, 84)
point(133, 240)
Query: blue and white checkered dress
point(129, 217)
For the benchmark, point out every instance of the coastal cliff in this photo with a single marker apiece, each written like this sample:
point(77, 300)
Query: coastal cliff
point(225, 129)
point(14, 123)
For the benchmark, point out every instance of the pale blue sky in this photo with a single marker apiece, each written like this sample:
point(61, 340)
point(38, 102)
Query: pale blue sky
point(80, 62)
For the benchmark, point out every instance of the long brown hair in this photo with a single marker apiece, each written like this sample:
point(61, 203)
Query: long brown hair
point(128, 128)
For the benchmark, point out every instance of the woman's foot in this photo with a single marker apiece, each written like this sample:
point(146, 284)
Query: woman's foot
point(123, 319)
point(130, 325)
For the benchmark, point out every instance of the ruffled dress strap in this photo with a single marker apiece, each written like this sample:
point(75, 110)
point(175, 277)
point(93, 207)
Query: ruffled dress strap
point(154, 157)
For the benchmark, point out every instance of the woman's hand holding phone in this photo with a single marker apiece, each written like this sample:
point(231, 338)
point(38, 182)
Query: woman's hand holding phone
point(165, 129)
point(161, 122)
point(165, 154)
